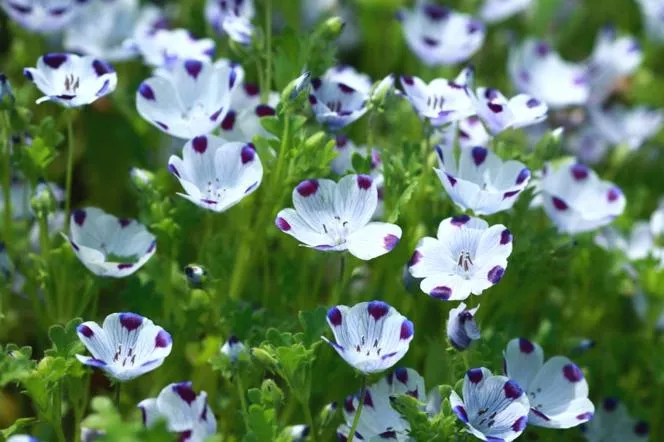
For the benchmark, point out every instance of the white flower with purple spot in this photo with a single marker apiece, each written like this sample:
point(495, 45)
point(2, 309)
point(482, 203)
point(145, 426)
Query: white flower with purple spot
point(479, 180)
point(536, 70)
point(631, 127)
point(494, 408)
point(336, 217)
point(109, 246)
point(165, 47)
point(215, 174)
point(186, 412)
point(233, 348)
point(349, 76)
point(42, 16)
point(71, 80)
point(461, 327)
point(557, 389)
point(576, 199)
point(378, 418)
point(612, 59)
point(638, 245)
point(125, 347)
point(441, 36)
point(441, 101)
point(243, 120)
point(193, 100)
point(467, 257)
point(499, 113)
point(231, 17)
point(612, 422)
point(653, 18)
point(493, 11)
point(336, 104)
point(370, 336)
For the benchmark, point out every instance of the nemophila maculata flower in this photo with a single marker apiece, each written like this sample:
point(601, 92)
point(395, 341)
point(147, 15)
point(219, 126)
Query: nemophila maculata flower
point(349, 76)
point(479, 180)
point(193, 100)
point(164, 48)
point(653, 18)
point(71, 80)
point(231, 17)
point(109, 29)
point(461, 327)
point(612, 422)
point(42, 16)
point(576, 199)
point(494, 408)
point(467, 257)
point(557, 389)
point(186, 412)
point(613, 58)
point(379, 420)
point(370, 336)
point(622, 126)
point(500, 113)
point(215, 174)
point(233, 348)
point(336, 104)
point(441, 101)
point(637, 245)
point(335, 217)
point(493, 11)
point(535, 69)
point(439, 35)
point(125, 347)
point(109, 246)
point(243, 120)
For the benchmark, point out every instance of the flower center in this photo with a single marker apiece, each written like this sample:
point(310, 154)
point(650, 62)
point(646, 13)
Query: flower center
point(214, 192)
point(337, 230)
point(489, 420)
point(195, 112)
point(124, 358)
point(533, 398)
point(362, 347)
point(335, 106)
point(465, 263)
point(435, 102)
point(72, 83)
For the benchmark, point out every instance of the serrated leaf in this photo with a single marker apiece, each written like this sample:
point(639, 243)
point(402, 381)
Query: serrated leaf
point(314, 323)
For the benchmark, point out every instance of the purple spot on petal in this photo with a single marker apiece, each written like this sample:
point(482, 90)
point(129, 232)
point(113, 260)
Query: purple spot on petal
point(200, 144)
point(407, 329)
point(512, 390)
point(263, 110)
point(162, 125)
point(461, 413)
point(85, 331)
point(348, 404)
point(390, 241)
point(368, 400)
point(496, 274)
point(345, 88)
point(520, 424)
point(163, 339)
point(430, 42)
point(79, 216)
point(505, 237)
point(610, 403)
point(124, 222)
point(559, 204)
point(215, 115)
point(524, 174)
point(282, 224)
point(228, 121)
point(408, 80)
point(460, 220)
point(533, 102)
point(101, 67)
point(441, 292)
point(316, 83)
point(131, 321)
point(364, 181)
point(585, 416)
point(479, 155)
point(173, 170)
point(185, 392)
point(474, 26)
point(579, 172)
point(193, 68)
point(307, 187)
point(146, 91)
point(642, 428)
point(417, 255)
point(614, 194)
point(451, 179)
point(495, 107)
point(402, 375)
point(542, 49)
point(334, 316)
point(248, 154)
point(538, 413)
point(378, 309)
point(475, 375)
point(251, 89)
point(572, 373)
point(27, 74)
point(526, 346)
point(54, 60)
point(436, 12)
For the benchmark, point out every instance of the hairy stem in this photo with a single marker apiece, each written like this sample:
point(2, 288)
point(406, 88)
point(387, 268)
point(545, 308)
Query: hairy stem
point(356, 419)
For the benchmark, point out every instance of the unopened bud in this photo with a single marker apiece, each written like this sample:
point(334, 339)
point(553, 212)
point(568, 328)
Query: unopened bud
point(141, 178)
point(196, 275)
point(294, 88)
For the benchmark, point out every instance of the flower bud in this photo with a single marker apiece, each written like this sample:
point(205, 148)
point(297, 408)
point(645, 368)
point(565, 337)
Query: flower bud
point(331, 28)
point(233, 348)
point(196, 275)
point(461, 327)
point(327, 413)
point(294, 88)
point(141, 178)
point(43, 200)
point(382, 90)
point(6, 95)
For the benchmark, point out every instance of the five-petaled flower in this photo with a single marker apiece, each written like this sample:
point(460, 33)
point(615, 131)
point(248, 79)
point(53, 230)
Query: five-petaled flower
point(72, 80)
point(479, 180)
point(494, 408)
point(335, 217)
point(190, 101)
point(378, 418)
point(441, 36)
point(336, 104)
point(467, 257)
point(500, 113)
point(557, 389)
point(109, 246)
point(612, 422)
point(186, 412)
point(370, 336)
point(43, 16)
point(461, 327)
point(126, 346)
point(216, 175)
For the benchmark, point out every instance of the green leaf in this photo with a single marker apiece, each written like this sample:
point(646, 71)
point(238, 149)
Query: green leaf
point(314, 323)
point(65, 340)
point(262, 423)
point(17, 426)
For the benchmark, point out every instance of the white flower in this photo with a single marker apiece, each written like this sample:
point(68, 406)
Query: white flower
point(192, 101)
point(233, 348)
point(576, 200)
point(196, 275)
point(493, 11)
point(126, 346)
point(336, 104)
point(612, 422)
point(461, 327)
point(336, 217)
point(441, 101)
point(638, 245)
point(22, 438)
point(441, 36)
point(631, 127)
point(71, 80)
point(349, 76)
point(467, 257)
point(537, 70)
point(164, 48)
point(653, 18)
point(232, 17)
point(378, 419)
point(103, 28)
point(557, 389)
point(109, 246)
point(186, 412)
point(479, 180)
point(612, 58)
point(43, 16)
point(494, 408)
point(243, 120)
point(499, 113)
point(297, 433)
point(370, 336)
point(216, 175)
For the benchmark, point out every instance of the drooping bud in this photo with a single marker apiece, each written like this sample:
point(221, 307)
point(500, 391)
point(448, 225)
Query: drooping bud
point(461, 327)
point(196, 275)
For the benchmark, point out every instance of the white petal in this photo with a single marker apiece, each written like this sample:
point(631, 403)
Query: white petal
point(373, 240)
point(523, 360)
point(355, 200)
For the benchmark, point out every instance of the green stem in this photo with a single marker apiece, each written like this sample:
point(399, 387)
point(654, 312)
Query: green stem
point(116, 395)
point(342, 281)
point(356, 420)
point(243, 400)
point(57, 421)
point(308, 418)
point(70, 167)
